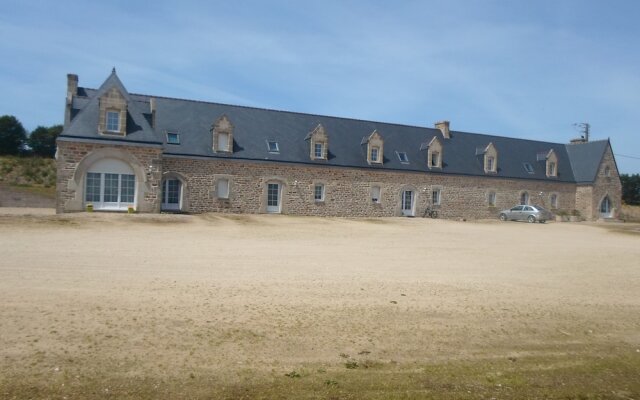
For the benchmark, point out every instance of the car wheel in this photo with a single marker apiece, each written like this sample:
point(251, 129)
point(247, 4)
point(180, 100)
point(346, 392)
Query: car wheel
point(531, 219)
point(503, 217)
point(542, 221)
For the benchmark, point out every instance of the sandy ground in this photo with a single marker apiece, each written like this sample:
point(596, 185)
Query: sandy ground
point(143, 295)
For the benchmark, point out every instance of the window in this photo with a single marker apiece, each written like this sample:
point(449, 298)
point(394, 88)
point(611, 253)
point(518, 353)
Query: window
point(171, 195)
point(553, 199)
point(113, 121)
point(374, 154)
point(375, 194)
point(318, 192)
point(607, 171)
point(92, 192)
point(435, 197)
point(528, 167)
point(222, 188)
point(491, 163)
point(435, 159)
point(273, 146)
point(491, 199)
point(552, 169)
point(402, 156)
point(173, 138)
point(318, 150)
point(118, 190)
point(223, 142)
point(524, 198)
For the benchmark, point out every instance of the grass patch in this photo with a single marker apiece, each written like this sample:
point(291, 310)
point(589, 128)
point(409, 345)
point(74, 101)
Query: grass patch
point(551, 377)
point(28, 171)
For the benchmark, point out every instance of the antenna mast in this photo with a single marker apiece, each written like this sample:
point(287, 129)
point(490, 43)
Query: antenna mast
point(584, 127)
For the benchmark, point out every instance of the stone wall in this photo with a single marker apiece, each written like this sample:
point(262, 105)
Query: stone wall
point(347, 190)
point(74, 158)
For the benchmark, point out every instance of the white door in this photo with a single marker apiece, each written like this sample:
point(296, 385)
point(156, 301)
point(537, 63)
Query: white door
point(273, 197)
point(171, 194)
point(110, 184)
point(407, 203)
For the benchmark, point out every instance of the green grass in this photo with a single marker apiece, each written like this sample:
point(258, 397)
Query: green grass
point(30, 174)
point(554, 377)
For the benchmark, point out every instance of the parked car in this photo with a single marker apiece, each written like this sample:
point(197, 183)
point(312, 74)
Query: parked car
point(525, 212)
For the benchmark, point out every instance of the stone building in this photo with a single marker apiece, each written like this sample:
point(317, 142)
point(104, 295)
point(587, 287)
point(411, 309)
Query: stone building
point(121, 150)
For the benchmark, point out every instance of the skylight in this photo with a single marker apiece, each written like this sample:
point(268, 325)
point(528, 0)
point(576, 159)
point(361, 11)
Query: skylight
point(173, 138)
point(273, 146)
point(403, 157)
point(528, 167)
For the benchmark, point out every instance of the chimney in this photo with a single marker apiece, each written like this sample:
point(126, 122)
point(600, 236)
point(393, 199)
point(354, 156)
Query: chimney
point(152, 109)
point(444, 128)
point(72, 90)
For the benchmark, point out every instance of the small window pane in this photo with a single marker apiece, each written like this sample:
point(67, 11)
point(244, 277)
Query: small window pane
point(128, 188)
point(554, 201)
point(403, 157)
point(272, 194)
point(92, 191)
point(374, 154)
point(318, 193)
point(223, 142)
point(173, 138)
point(223, 189)
point(435, 159)
point(492, 199)
point(113, 121)
point(528, 167)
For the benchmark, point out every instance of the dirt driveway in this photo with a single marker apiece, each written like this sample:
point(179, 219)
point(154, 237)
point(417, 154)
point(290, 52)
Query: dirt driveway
point(171, 295)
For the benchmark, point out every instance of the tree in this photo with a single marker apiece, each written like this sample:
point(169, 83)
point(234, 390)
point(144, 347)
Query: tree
point(12, 135)
point(630, 188)
point(43, 140)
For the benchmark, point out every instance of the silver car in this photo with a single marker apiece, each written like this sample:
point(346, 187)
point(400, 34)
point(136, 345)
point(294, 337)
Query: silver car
point(525, 212)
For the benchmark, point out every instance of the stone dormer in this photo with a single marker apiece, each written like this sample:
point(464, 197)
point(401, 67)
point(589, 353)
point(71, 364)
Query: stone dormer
point(434, 153)
point(318, 143)
point(375, 148)
point(113, 99)
point(489, 158)
point(222, 135)
point(551, 162)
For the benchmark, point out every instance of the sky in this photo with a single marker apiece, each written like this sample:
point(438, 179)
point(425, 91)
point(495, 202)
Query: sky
point(526, 69)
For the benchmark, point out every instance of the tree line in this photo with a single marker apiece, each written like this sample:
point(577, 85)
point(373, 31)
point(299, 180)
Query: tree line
point(14, 140)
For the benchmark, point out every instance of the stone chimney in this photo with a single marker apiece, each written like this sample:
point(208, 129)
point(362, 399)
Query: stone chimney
point(444, 128)
point(152, 109)
point(72, 90)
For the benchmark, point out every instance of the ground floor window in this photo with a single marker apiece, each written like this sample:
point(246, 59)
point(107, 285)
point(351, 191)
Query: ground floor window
point(605, 207)
point(318, 192)
point(376, 192)
point(274, 200)
point(110, 190)
point(435, 197)
point(491, 199)
point(524, 198)
point(553, 199)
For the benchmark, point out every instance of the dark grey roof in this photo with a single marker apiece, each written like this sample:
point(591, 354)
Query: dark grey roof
point(253, 127)
point(585, 159)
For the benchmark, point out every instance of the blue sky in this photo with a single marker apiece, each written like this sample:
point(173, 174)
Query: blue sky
point(528, 69)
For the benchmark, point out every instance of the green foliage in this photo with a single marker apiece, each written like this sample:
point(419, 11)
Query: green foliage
point(630, 188)
point(28, 171)
point(12, 135)
point(43, 140)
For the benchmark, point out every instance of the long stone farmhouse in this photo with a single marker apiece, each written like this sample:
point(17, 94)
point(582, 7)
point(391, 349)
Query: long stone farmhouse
point(122, 151)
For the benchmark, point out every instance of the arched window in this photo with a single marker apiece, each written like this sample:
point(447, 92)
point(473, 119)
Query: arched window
point(605, 207)
point(524, 198)
point(110, 184)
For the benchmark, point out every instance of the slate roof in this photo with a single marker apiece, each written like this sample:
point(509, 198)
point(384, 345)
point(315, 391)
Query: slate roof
point(253, 127)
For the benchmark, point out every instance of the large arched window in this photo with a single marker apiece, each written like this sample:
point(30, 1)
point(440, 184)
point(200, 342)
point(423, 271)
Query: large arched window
point(605, 207)
point(110, 184)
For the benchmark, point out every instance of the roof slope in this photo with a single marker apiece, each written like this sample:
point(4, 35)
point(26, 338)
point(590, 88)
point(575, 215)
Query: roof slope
point(253, 127)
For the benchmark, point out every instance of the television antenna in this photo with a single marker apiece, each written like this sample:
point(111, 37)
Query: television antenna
point(584, 128)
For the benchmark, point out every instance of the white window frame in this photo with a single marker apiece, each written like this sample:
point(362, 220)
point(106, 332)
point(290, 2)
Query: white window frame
point(273, 146)
point(318, 150)
point(492, 198)
point(223, 187)
point(435, 159)
point(403, 157)
point(165, 205)
point(108, 121)
point(101, 204)
point(376, 198)
point(223, 146)
point(374, 150)
point(436, 196)
point(315, 192)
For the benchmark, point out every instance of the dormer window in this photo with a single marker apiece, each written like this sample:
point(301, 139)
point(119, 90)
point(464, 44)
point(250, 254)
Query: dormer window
point(402, 156)
point(273, 147)
point(551, 164)
point(318, 150)
point(318, 143)
point(434, 153)
point(490, 158)
point(375, 148)
point(113, 121)
point(375, 154)
point(222, 131)
point(173, 138)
